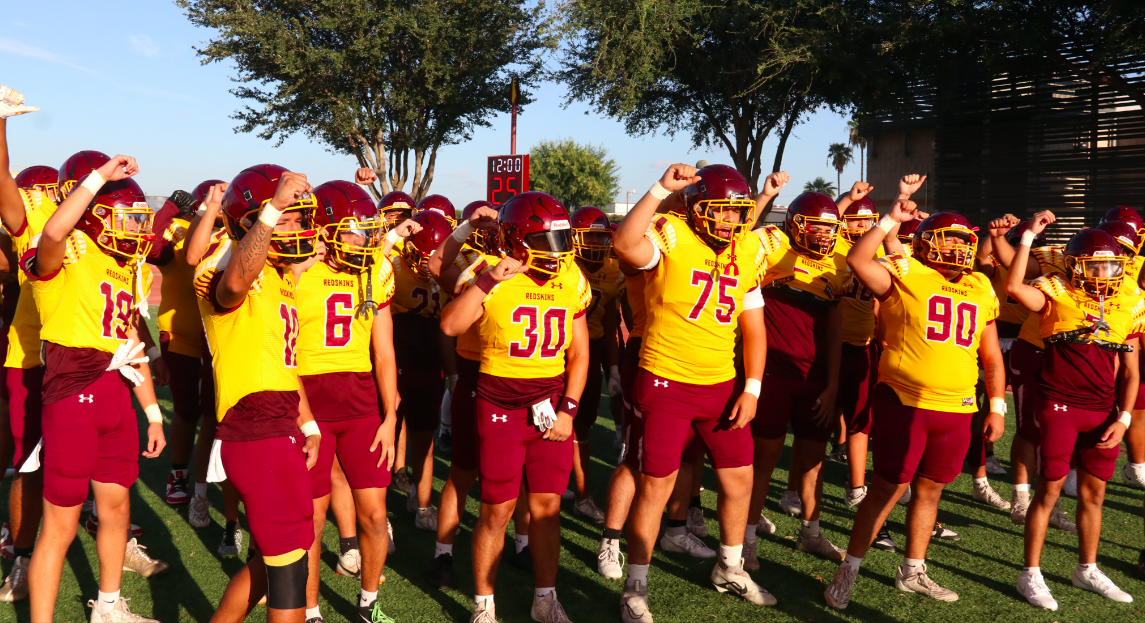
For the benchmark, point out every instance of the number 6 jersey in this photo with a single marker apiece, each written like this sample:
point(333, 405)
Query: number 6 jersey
point(933, 329)
point(334, 337)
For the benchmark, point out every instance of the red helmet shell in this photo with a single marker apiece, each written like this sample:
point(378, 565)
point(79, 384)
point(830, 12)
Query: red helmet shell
point(248, 192)
point(421, 244)
point(807, 209)
point(908, 229)
point(486, 240)
point(124, 197)
point(928, 239)
point(200, 192)
point(720, 185)
point(344, 207)
point(863, 209)
point(396, 207)
point(532, 213)
point(42, 178)
point(1014, 235)
point(587, 221)
point(1123, 233)
point(77, 167)
point(472, 206)
point(1094, 245)
point(1125, 214)
point(439, 204)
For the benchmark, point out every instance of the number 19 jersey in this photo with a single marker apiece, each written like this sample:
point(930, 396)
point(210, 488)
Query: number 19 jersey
point(694, 297)
point(333, 336)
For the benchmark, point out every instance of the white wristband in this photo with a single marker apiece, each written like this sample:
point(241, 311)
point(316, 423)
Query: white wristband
point(463, 231)
point(1028, 238)
point(269, 215)
point(153, 353)
point(887, 223)
point(93, 182)
point(310, 429)
point(998, 405)
point(153, 414)
point(658, 191)
point(1125, 418)
point(752, 386)
point(393, 237)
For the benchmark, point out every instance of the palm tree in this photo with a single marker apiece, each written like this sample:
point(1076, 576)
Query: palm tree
point(854, 139)
point(819, 185)
point(839, 155)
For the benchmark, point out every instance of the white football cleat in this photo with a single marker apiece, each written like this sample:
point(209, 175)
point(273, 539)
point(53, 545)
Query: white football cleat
point(1069, 487)
point(1033, 587)
point(609, 560)
point(1092, 579)
point(686, 543)
point(790, 504)
point(736, 581)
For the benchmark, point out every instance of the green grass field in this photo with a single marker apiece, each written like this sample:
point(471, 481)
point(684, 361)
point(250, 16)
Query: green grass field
point(982, 567)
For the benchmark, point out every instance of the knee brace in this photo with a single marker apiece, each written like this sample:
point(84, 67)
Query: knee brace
point(286, 585)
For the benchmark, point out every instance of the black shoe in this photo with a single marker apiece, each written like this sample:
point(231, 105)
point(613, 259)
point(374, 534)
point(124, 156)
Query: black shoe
point(440, 572)
point(1141, 564)
point(522, 560)
point(445, 443)
point(883, 540)
point(838, 453)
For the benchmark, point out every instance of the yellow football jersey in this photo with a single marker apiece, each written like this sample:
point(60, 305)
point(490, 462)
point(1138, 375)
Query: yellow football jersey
point(1068, 308)
point(634, 290)
point(1010, 310)
point(333, 335)
point(857, 302)
point(826, 278)
point(933, 329)
point(469, 343)
point(24, 334)
point(414, 295)
point(606, 284)
point(89, 302)
point(694, 297)
point(1050, 258)
point(254, 345)
point(178, 309)
point(527, 324)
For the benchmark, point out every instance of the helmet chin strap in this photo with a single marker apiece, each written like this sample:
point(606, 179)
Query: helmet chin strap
point(1101, 325)
point(368, 305)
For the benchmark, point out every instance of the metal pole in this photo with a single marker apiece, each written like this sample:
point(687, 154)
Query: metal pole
point(513, 140)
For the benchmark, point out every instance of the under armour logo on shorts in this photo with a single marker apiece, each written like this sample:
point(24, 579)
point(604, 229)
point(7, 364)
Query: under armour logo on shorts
point(88, 398)
point(503, 418)
point(656, 383)
point(1058, 407)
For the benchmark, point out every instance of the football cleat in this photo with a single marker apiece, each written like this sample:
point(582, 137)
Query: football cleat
point(696, 523)
point(426, 519)
point(232, 542)
point(16, 585)
point(1069, 487)
point(372, 613)
point(401, 479)
point(790, 504)
point(750, 556)
point(1018, 510)
point(1092, 579)
point(609, 559)
point(350, 564)
point(905, 499)
point(548, 610)
point(736, 581)
point(588, 509)
point(838, 593)
point(883, 540)
point(137, 561)
point(444, 443)
point(944, 533)
point(634, 604)
point(820, 546)
point(199, 512)
point(686, 543)
point(986, 494)
point(119, 614)
point(483, 613)
point(764, 526)
point(1133, 474)
point(994, 466)
point(921, 583)
point(855, 496)
point(440, 572)
point(1059, 520)
point(838, 453)
point(390, 530)
point(177, 487)
point(1033, 587)
point(7, 544)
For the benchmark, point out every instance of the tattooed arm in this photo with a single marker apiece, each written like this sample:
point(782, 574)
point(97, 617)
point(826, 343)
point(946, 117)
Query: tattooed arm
point(249, 256)
point(992, 364)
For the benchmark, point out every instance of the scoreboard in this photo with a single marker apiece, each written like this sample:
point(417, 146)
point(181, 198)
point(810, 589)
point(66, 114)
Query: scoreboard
point(506, 177)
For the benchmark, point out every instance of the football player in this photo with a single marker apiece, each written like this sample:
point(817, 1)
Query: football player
point(417, 303)
point(592, 245)
point(342, 319)
point(939, 318)
point(802, 285)
point(90, 287)
point(534, 359)
point(395, 207)
point(248, 301)
point(701, 285)
point(1090, 326)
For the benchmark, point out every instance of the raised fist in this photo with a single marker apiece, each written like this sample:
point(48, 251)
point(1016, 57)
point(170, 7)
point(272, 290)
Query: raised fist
point(291, 187)
point(365, 175)
point(903, 210)
point(483, 218)
point(999, 226)
point(1041, 220)
point(118, 168)
point(214, 199)
point(774, 182)
point(679, 177)
point(12, 103)
point(407, 228)
point(507, 268)
point(860, 190)
point(909, 184)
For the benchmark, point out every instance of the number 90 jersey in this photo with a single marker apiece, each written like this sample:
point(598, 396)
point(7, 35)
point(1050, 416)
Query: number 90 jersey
point(933, 329)
point(694, 298)
point(332, 335)
point(89, 302)
point(528, 324)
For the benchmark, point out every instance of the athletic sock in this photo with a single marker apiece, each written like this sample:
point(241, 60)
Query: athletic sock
point(440, 549)
point(637, 573)
point(731, 555)
point(981, 483)
point(521, 541)
point(365, 598)
point(1082, 567)
point(912, 565)
point(1032, 570)
point(695, 502)
point(313, 613)
point(615, 535)
point(200, 489)
point(749, 532)
point(809, 528)
point(676, 527)
point(347, 544)
point(540, 593)
point(1022, 488)
point(488, 599)
point(106, 601)
point(853, 561)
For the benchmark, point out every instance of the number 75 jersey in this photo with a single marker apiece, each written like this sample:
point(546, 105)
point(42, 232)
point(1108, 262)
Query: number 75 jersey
point(333, 336)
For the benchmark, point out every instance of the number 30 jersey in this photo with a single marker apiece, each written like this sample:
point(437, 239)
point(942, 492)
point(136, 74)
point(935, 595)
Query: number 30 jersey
point(933, 329)
point(333, 336)
point(527, 324)
point(694, 297)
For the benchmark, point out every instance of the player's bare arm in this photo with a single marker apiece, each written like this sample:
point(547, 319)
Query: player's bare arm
point(858, 190)
point(909, 185)
point(53, 242)
point(834, 360)
point(1128, 379)
point(754, 332)
point(463, 311)
point(446, 253)
point(11, 205)
point(629, 241)
point(310, 446)
point(771, 186)
point(1028, 296)
point(993, 366)
point(576, 374)
point(861, 257)
point(1001, 248)
point(202, 226)
point(404, 230)
point(249, 256)
point(386, 376)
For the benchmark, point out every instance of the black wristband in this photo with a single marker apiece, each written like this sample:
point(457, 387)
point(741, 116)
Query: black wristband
point(568, 405)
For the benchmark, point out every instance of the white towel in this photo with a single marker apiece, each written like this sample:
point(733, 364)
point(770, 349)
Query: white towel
point(215, 471)
point(33, 462)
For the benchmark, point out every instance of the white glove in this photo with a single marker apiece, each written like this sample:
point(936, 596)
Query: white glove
point(12, 103)
point(547, 422)
point(125, 357)
point(613, 382)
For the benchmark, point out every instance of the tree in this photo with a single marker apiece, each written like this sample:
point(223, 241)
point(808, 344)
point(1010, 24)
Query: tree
point(839, 155)
point(577, 175)
point(377, 79)
point(855, 139)
point(819, 185)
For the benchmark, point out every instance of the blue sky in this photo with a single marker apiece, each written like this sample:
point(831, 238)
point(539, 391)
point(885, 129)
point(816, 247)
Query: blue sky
point(127, 80)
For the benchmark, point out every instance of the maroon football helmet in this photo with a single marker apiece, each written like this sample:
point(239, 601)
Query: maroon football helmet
point(858, 211)
point(199, 194)
point(42, 178)
point(484, 239)
point(1095, 261)
point(1014, 236)
point(1123, 233)
point(119, 220)
point(721, 189)
point(439, 204)
point(251, 189)
point(591, 233)
point(807, 210)
point(535, 230)
point(945, 239)
point(907, 231)
point(1129, 216)
point(421, 244)
point(395, 207)
point(349, 224)
point(76, 168)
